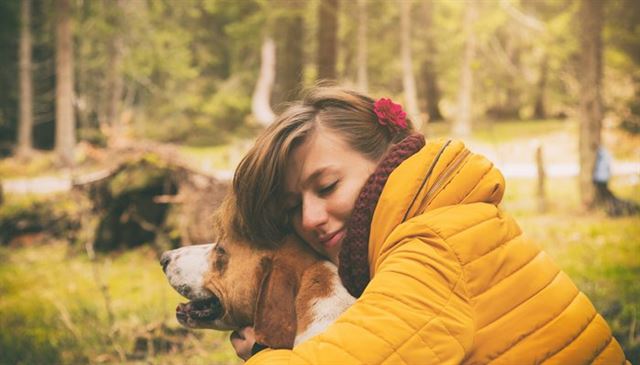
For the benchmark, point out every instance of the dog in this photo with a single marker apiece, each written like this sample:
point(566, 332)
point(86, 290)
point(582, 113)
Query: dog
point(288, 294)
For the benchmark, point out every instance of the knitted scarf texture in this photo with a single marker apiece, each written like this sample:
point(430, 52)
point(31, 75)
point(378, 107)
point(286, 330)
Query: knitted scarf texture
point(354, 256)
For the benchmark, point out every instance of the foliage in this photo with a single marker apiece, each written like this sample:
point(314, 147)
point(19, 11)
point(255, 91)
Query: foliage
point(188, 70)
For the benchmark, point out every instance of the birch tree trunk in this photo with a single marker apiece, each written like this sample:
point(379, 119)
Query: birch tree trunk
point(363, 81)
point(327, 39)
point(260, 106)
point(25, 125)
point(462, 123)
point(591, 19)
point(65, 123)
point(408, 79)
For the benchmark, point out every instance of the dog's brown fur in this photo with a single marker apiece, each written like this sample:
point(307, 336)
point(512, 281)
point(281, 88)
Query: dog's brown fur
point(285, 280)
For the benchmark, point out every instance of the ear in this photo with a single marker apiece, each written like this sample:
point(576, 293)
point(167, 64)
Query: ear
point(275, 317)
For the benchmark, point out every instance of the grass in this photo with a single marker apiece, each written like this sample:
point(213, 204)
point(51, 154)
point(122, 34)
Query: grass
point(490, 131)
point(52, 310)
point(222, 157)
point(40, 163)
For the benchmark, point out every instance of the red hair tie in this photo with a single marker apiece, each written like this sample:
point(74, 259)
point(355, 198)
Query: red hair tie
point(390, 114)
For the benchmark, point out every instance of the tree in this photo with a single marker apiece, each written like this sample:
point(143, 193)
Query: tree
point(462, 122)
point(25, 126)
point(428, 73)
point(362, 80)
point(539, 110)
point(327, 39)
point(408, 80)
point(65, 122)
point(260, 106)
point(289, 34)
point(114, 88)
point(590, 110)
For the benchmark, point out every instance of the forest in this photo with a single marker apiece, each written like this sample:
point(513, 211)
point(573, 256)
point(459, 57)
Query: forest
point(121, 122)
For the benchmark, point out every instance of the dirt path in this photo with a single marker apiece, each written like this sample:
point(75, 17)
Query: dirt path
point(515, 158)
point(63, 183)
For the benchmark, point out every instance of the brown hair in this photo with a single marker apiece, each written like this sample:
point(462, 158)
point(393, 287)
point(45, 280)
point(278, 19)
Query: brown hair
point(258, 183)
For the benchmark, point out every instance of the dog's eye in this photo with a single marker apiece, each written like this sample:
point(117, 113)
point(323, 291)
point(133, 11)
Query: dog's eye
point(220, 250)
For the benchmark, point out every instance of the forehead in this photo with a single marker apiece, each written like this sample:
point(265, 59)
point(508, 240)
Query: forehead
point(321, 153)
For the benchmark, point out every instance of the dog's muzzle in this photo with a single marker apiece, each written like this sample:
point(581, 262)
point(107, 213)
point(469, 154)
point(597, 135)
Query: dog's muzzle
point(197, 313)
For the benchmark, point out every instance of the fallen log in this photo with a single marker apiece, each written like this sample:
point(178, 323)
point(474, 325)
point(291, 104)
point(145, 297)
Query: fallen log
point(149, 194)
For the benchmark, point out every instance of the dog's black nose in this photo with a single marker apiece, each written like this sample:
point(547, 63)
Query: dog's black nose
point(164, 261)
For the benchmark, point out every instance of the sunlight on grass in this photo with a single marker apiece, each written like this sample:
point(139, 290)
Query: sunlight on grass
point(40, 163)
point(51, 301)
point(491, 131)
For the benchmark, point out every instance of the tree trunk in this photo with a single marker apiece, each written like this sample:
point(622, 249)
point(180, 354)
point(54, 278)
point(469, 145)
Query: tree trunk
point(429, 76)
point(327, 39)
point(512, 104)
point(260, 106)
point(462, 123)
point(408, 79)
point(65, 123)
point(539, 111)
point(25, 127)
point(363, 82)
point(115, 81)
point(591, 19)
point(289, 37)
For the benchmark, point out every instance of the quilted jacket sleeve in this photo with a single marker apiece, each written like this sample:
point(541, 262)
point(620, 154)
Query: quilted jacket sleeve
point(414, 310)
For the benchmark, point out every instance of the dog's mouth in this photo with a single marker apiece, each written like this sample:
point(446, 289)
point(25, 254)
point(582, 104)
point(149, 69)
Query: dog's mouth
point(199, 313)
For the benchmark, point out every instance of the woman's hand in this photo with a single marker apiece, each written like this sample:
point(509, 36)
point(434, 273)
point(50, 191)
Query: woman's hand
point(242, 341)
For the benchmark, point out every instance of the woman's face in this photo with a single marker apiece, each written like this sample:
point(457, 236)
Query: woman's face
point(323, 179)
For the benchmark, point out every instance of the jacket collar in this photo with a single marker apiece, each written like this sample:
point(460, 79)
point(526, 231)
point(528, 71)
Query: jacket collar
point(412, 178)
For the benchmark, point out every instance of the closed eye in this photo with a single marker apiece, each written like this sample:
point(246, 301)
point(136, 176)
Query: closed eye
point(327, 189)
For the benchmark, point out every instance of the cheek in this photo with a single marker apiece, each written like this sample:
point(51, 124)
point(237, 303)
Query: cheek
point(345, 203)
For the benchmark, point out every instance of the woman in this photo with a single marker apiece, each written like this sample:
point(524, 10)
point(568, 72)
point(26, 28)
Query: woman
point(442, 275)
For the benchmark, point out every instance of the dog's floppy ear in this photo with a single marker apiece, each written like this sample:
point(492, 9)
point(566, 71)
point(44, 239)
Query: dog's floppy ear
point(275, 317)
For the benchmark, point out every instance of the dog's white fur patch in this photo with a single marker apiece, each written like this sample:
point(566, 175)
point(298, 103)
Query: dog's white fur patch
point(326, 310)
point(187, 269)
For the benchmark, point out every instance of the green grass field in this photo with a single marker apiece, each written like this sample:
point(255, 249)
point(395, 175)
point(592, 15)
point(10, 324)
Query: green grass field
point(54, 311)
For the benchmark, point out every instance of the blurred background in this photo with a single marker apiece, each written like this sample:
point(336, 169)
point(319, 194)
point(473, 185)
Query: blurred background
point(121, 122)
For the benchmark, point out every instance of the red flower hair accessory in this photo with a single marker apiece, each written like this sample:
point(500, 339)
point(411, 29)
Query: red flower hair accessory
point(390, 114)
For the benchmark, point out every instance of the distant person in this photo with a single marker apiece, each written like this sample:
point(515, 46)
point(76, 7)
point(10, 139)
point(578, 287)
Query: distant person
point(441, 273)
point(613, 205)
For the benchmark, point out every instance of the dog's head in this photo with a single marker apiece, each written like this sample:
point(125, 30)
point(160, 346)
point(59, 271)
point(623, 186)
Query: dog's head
point(232, 284)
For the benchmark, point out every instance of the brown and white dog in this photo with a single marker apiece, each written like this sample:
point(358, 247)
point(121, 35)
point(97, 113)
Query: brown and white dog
point(287, 294)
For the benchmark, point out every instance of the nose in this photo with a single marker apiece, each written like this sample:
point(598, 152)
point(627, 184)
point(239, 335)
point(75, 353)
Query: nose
point(314, 215)
point(164, 261)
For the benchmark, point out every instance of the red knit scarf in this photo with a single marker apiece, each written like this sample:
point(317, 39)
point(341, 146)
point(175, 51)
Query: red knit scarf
point(354, 254)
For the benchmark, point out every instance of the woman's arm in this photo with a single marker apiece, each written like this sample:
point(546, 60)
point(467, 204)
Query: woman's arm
point(415, 309)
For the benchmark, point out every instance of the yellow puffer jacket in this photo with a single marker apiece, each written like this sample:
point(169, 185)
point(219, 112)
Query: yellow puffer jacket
point(453, 281)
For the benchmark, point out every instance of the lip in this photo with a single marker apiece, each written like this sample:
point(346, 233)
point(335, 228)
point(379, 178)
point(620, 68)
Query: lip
point(333, 239)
